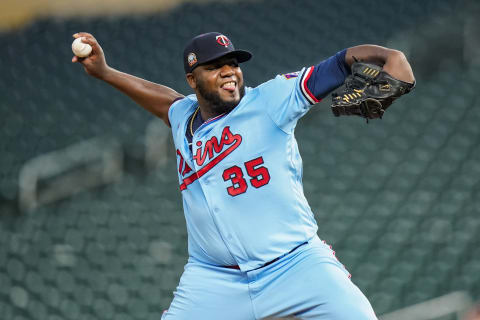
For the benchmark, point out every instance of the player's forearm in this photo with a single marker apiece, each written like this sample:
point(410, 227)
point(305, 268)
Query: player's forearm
point(394, 62)
point(398, 67)
point(153, 97)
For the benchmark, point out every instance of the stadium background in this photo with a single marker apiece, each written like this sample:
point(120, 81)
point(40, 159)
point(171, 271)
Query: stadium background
point(399, 199)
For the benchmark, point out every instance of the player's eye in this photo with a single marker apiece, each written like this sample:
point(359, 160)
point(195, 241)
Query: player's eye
point(210, 67)
point(214, 66)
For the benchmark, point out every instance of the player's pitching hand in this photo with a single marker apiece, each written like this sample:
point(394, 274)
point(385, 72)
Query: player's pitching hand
point(95, 64)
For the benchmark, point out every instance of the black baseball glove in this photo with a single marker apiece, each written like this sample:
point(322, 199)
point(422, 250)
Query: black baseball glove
point(368, 92)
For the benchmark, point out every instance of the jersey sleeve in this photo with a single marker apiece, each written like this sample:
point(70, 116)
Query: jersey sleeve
point(290, 96)
point(176, 112)
point(328, 75)
point(284, 100)
point(172, 115)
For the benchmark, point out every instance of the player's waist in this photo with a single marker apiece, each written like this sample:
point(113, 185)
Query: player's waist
point(269, 262)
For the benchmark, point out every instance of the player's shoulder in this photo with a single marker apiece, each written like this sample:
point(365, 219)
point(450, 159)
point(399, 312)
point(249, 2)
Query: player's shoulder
point(180, 108)
point(183, 104)
point(280, 81)
point(284, 84)
point(187, 100)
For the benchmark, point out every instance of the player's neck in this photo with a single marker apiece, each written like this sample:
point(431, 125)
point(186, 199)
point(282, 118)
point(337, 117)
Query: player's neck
point(210, 110)
point(207, 113)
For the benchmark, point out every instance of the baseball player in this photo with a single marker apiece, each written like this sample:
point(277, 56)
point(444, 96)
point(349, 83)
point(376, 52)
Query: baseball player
point(253, 247)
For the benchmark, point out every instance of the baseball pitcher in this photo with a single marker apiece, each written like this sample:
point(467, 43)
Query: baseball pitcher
point(253, 247)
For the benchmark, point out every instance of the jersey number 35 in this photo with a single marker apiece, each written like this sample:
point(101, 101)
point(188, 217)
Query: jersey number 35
point(259, 176)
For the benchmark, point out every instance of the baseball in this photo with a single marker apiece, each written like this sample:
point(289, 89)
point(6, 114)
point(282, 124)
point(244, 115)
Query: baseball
point(81, 49)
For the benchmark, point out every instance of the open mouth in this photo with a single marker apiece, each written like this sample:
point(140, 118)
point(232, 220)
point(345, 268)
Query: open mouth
point(229, 86)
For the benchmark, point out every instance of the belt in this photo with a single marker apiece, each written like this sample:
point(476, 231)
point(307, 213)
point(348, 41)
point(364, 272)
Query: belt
point(269, 262)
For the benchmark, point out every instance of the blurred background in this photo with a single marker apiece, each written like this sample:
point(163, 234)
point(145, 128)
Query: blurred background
point(91, 219)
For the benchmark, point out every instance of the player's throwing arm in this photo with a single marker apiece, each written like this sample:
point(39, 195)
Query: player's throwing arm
point(153, 97)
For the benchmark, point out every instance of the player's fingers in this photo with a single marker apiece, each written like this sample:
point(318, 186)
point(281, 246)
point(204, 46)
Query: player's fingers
point(82, 34)
point(86, 38)
point(93, 42)
point(79, 60)
point(90, 40)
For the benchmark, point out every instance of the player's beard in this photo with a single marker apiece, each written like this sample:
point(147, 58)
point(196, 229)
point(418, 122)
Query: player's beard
point(217, 104)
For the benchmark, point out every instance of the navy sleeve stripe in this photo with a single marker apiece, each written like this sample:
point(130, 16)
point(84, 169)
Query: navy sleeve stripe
point(328, 75)
point(304, 88)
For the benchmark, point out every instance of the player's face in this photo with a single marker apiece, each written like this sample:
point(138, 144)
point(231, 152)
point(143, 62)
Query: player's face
point(220, 83)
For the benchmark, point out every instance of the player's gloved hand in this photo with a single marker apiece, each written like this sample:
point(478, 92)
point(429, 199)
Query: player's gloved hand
point(368, 92)
point(95, 64)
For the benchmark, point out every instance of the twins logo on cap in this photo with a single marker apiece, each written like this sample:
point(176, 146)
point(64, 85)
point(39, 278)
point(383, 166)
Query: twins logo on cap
point(222, 40)
point(191, 59)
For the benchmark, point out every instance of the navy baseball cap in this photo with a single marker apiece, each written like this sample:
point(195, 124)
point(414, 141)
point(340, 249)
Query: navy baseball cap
point(208, 47)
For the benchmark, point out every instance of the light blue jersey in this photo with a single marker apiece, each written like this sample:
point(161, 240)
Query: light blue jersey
point(254, 252)
point(242, 183)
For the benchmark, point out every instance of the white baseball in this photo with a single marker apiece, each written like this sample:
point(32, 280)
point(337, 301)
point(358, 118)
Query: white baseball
point(81, 49)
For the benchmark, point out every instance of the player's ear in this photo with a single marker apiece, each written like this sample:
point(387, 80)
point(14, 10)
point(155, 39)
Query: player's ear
point(192, 81)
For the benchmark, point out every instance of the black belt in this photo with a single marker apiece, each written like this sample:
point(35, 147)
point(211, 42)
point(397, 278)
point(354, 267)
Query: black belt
point(269, 262)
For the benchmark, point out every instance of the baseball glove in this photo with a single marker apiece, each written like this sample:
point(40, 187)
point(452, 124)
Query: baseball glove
point(368, 92)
